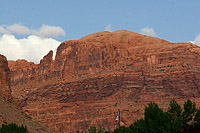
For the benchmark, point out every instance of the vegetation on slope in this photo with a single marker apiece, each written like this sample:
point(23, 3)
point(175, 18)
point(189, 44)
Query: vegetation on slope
point(13, 128)
point(174, 120)
point(10, 113)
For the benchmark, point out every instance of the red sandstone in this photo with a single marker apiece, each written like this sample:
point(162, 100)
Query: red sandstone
point(91, 78)
point(9, 112)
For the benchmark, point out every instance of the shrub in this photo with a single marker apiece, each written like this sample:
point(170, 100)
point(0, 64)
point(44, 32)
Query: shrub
point(13, 128)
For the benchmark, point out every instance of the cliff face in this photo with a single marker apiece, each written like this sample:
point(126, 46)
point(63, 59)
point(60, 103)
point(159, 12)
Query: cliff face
point(24, 72)
point(4, 78)
point(88, 56)
point(9, 112)
point(91, 78)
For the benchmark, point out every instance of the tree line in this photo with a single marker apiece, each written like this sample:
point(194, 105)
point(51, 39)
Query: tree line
point(174, 120)
point(13, 128)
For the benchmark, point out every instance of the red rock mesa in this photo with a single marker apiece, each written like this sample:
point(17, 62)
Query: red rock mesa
point(91, 78)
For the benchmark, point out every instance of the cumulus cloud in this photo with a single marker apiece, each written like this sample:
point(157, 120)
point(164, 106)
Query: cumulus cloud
point(197, 40)
point(50, 31)
point(19, 29)
point(148, 31)
point(43, 31)
point(35, 44)
point(32, 48)
point(108, 28)
point(3, 30)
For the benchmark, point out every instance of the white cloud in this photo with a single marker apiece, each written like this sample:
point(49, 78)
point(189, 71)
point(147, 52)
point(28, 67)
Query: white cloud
point(197, 40)
point(50, 31)
point(32, 48)
point(108, 28)
point(36, 44)
point(148, 31)
point(3, 30)
point(19, 29)
point(43, 31)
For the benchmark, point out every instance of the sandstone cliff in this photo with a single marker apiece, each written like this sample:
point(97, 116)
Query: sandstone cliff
point(91, 78)
point(4, 78)
point(9, 112)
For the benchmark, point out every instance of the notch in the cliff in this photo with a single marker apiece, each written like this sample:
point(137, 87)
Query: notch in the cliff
point(47, 58)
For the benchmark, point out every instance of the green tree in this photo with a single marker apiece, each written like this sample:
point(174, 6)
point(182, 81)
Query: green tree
point(13, 128)
point(92, 129)
point(189, 112)
point(156, 120)
point(139, 127)
point(197, 117)
point(175, 112)
point(102, 130)
point(122, 129)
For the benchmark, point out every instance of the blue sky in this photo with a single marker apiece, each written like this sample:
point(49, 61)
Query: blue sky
point(172, 20)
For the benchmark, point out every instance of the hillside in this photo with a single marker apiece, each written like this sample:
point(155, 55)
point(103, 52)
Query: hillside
point(91, 78)
point(10, 113)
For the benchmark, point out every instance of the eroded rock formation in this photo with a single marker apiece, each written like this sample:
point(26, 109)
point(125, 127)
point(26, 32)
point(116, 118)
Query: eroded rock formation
point(4, 78)
point(91, 78)
point(9, 112)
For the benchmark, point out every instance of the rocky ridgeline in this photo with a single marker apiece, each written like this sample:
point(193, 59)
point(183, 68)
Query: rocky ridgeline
point(91, 78)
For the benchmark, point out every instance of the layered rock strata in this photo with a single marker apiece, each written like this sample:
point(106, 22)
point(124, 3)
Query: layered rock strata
point(91, 78)
point(9, 112)
point(5, 90)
